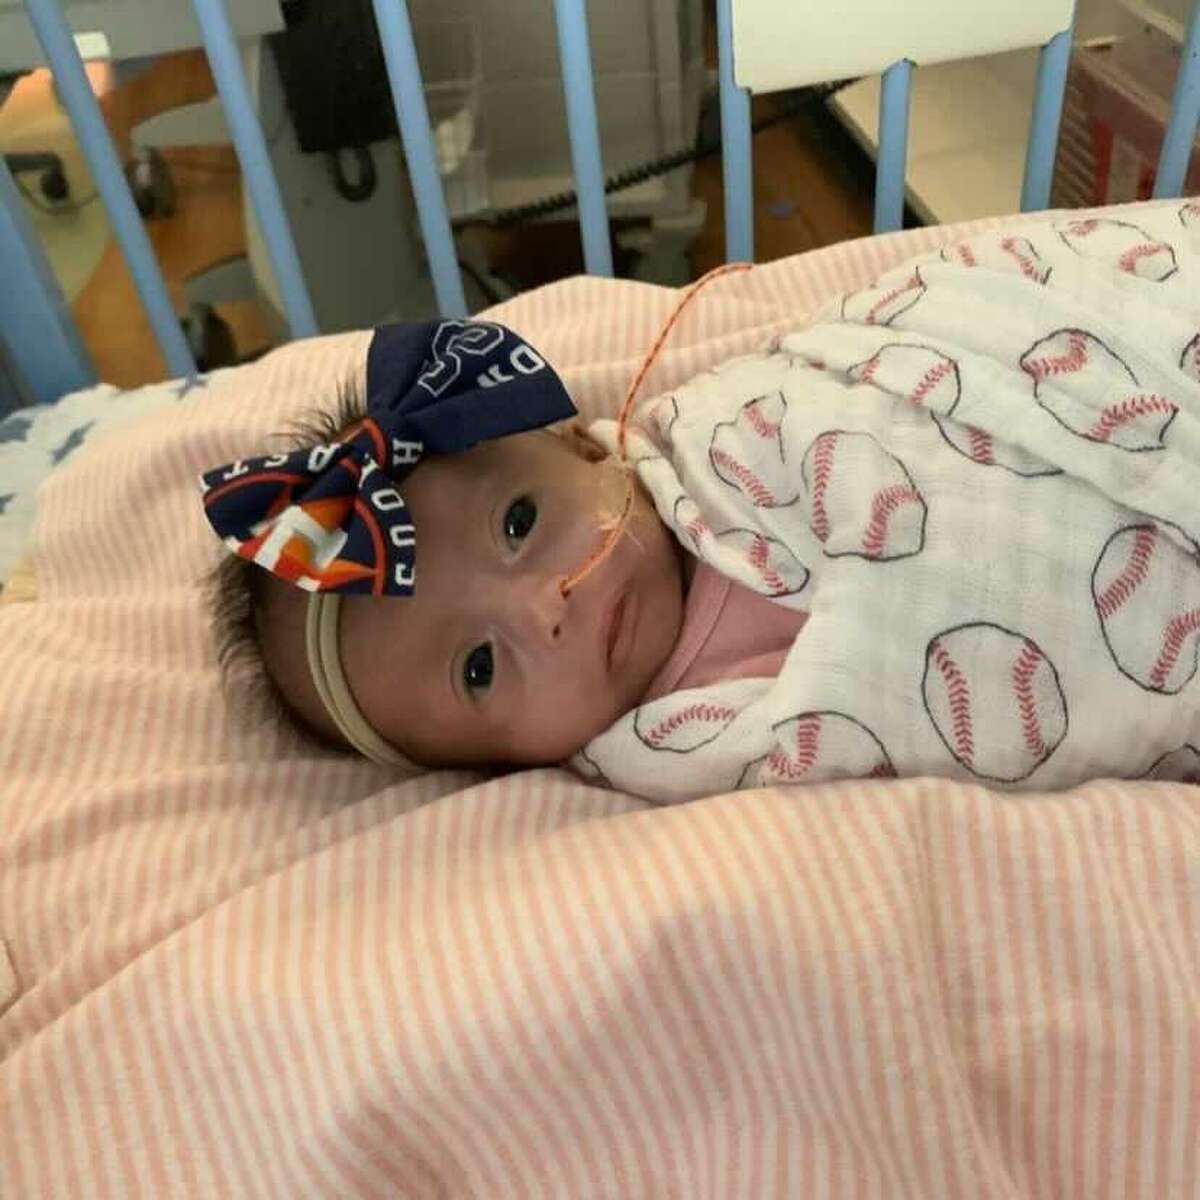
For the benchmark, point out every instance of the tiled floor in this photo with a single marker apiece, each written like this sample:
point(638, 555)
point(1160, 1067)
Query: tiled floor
point(811, 188)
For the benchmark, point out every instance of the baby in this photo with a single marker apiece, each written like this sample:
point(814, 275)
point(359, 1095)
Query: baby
point(947, 528)
point(490, 659)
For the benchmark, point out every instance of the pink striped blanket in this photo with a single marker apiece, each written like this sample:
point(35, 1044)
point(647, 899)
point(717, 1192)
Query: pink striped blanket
point(231, 965)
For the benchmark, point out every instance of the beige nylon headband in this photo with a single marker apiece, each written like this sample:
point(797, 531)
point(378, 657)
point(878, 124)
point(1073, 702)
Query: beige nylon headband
point(325, 664)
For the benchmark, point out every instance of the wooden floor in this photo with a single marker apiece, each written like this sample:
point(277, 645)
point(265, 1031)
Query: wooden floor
point(812, 187)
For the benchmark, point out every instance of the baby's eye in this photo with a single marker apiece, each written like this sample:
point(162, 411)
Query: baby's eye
point(478, 669)
point(520, 519)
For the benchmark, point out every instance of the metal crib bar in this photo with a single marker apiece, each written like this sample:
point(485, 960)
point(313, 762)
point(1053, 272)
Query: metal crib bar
point(736, 166)
point(224, 58)
point(404, 73)
point(1185, 115)
point(76, 93)
point(570, 18)
point(894, 99)
point(1053, 61)
point(39, 336)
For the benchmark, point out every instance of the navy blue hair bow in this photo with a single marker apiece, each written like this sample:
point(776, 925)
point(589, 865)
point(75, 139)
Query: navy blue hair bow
point(332, 518)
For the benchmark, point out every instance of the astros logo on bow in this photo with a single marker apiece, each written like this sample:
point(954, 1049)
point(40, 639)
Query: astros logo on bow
point(456, 340)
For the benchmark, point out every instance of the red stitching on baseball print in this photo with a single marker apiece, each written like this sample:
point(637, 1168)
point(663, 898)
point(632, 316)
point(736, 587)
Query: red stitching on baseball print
point(1127, 582)
point(823, 449)
point(930, 380)
point(1022, 676)
point(883, 504)
point(700, 710)
point(808, 740)
point(695, 526)
point(1129, 260)
point(865, 371)
point(1116, 415)
point(1026, 261)
point(1177, 629)
point(759, 557)
point(959, 696)
point(912, 285)
point(1074, 358)
point(746, 479)
point(981, 446)
point(759, 423)
point(966, 255)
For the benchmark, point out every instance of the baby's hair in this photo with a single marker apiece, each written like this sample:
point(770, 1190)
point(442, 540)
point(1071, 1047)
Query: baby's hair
point(235, 589)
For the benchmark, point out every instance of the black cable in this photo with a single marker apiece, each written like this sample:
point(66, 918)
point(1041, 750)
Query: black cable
point(704, 148)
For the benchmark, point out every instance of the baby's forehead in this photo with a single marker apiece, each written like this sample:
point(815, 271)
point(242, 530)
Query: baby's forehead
point(529, 455)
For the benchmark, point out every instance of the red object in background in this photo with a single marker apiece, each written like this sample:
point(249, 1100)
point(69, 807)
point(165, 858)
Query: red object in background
point(1114, 119)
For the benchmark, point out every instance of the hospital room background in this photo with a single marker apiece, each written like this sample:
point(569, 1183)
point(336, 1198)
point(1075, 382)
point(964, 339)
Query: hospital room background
point(492, 84)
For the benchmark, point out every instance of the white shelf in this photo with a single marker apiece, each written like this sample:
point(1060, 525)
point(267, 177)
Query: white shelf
point(968, 127)
point(969, 121)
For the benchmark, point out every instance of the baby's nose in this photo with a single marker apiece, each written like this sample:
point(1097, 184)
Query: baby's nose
point(543, 604)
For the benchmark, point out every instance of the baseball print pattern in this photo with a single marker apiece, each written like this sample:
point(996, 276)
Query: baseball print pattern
point(881, 305)
point(1090, 389)
point(691, 524)
point(589, 770)
point(925, 377)
point(1121, 245)
point(931, 380)
point(987, 451)
point(1189, 360)
point(682, 724)
point(1006, 252)
point(995, 700)
point(664, 415)
point(748, 454)
point(980, 477)
point(768, 566)
point(1146, 592)
point(1177, 766)
point(862, 499)
point(829, 744)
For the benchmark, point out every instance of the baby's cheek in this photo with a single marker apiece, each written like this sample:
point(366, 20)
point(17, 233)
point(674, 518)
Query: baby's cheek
point(574, 714)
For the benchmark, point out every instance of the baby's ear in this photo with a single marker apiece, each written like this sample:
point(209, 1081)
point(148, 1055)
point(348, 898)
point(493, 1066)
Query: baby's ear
point(576, 437)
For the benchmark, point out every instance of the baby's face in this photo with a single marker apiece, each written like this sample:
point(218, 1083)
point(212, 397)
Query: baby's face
point(488, 662)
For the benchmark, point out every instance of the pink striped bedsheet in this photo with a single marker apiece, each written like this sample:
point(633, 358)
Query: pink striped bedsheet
point(235, 966)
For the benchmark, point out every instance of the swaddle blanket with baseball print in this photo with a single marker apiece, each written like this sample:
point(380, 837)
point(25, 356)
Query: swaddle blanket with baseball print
point(981, 479)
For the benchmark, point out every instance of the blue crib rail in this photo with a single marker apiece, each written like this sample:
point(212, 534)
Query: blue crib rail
point(256, 166)
point(40, 340)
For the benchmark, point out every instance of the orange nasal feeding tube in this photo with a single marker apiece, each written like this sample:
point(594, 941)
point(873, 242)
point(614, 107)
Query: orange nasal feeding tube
point(606, 547)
